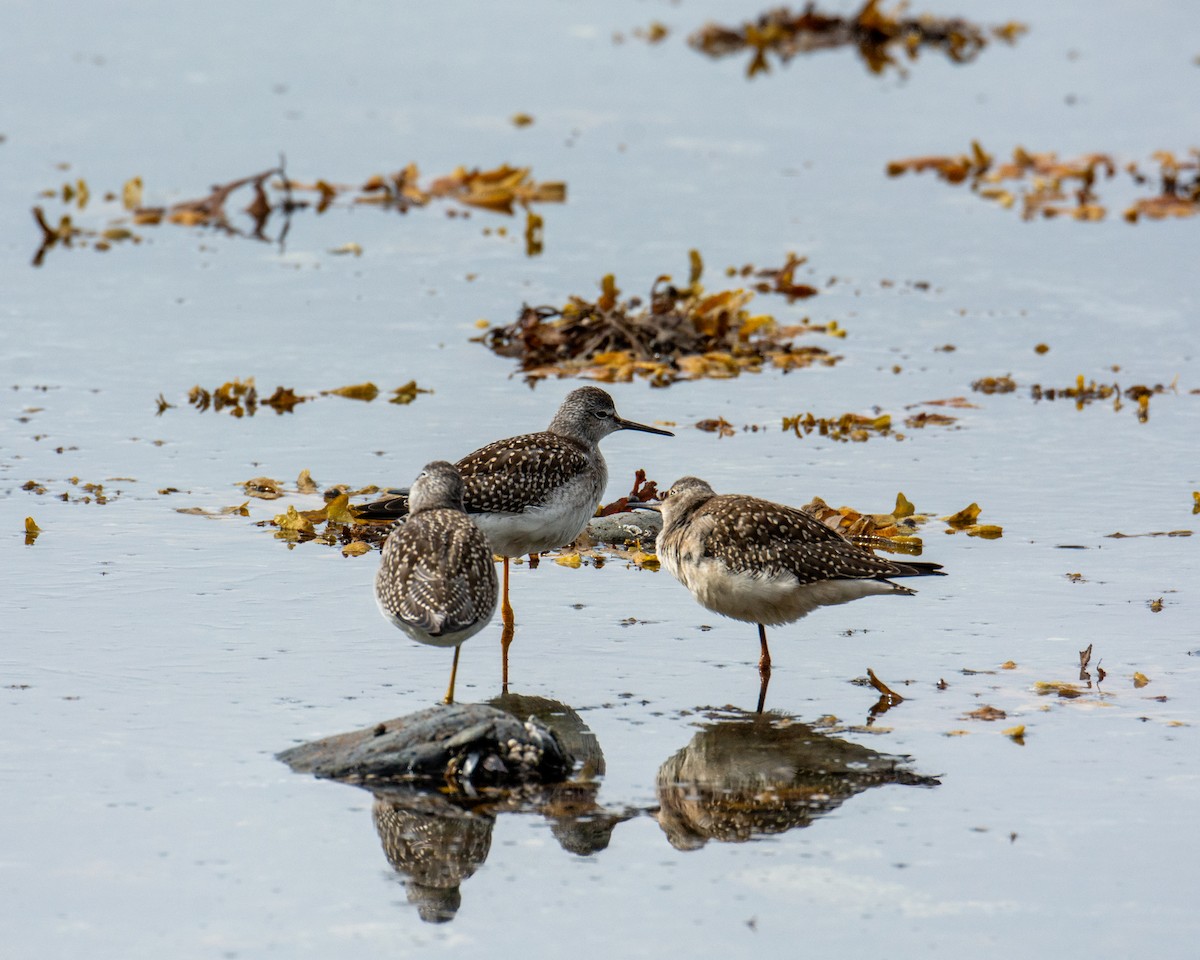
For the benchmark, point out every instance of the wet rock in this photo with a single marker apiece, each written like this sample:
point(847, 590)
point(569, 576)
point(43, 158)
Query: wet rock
point(464, 745)
point(621, 528)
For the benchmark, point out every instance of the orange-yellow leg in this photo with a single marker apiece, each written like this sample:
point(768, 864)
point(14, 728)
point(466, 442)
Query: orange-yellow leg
point(506, 610)
point(506, 636)
point(453, 675)
point(764, 667)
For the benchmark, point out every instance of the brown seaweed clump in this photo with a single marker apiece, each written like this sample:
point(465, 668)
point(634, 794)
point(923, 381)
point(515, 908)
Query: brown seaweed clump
point(877, 34)
point(678, 333)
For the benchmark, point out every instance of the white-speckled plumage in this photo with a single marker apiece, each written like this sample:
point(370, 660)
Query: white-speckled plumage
point(536, 491)
point(767, 563)
point(436, 580)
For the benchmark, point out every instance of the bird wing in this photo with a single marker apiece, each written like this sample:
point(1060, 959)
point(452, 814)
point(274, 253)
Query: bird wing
point(423, 593)
point(752, 535)
point(510, 475)
point(392, 507)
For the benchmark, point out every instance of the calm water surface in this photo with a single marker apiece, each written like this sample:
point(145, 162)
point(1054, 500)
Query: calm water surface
point(153, 662)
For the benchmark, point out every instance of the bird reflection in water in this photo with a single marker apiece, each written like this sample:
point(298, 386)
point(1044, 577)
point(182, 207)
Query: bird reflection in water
point(434, 844)
point(749, 775)
point(436, 841)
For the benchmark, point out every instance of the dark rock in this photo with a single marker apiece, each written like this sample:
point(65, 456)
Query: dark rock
point(466, 745)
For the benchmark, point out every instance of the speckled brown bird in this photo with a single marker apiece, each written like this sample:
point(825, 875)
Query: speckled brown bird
point(536, 491)
point(436, 580)
point(767, 563)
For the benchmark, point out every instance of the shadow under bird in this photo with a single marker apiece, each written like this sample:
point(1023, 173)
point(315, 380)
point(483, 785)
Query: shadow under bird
point(536, 491)
point(767, 563)
point(436, 580)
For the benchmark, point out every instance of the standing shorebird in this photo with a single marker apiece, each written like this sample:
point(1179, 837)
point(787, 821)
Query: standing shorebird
point(766, 563)
point(537, 491)
point(436, 579)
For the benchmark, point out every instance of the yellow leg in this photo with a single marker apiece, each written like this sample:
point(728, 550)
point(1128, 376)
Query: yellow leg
point(453, 675)
point(506, 610)
point(506, 635)
point(764, 667)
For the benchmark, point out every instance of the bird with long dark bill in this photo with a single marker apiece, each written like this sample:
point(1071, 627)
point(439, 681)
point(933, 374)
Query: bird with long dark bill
point(536, 491)
point(436, 579)
point(767, 563)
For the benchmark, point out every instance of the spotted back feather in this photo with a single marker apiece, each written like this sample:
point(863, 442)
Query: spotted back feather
point(749, 535)
point(437, 574)
point(511, 475)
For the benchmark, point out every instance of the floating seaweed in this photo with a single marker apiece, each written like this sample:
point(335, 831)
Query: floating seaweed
point(680, 333)
point(1088, 392)
point(75, 490)
point(1042, 185)
point(878, 36)
point(849, 427)
point(240, 398)
point(501, 190)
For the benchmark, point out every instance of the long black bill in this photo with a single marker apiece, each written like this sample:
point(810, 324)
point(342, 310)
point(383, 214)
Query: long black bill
point(623, 424)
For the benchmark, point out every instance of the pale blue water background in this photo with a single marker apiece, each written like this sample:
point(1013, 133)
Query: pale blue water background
point(152, 663)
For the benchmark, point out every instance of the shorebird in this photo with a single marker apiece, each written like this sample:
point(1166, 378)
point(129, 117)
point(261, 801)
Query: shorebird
point(436, 580)
point(536, 491)
point(767, 563)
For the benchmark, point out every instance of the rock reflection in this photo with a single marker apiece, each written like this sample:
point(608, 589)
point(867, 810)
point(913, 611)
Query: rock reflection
point(435, 814)
point(579, 823)
point(747, 775)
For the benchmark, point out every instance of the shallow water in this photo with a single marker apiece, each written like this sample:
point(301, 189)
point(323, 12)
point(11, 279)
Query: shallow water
point(153, 662)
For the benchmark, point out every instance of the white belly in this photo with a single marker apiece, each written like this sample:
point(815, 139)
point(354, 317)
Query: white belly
point(769, 600)
point(553, 524)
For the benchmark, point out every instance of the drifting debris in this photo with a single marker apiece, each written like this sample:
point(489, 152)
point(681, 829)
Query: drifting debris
point(721, 427)
point(849, 427)
point(264, 488)
point(77, 491)
point(920, 421)
point(1091, 392)
point(1044, 186)
point(782, 280)
point(655, 32)
point(682, 333)
point(888, 697)
point(241, 399)
point(32, 530)
point(986, 713)
point(1157, 533)
point(273, 194)
point(1004, 384)
point(239, 510)
point(965, 521)
point(877, 35)
point(1067, 691)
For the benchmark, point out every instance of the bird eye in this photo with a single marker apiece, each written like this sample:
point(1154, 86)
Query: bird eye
point(603, 414)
